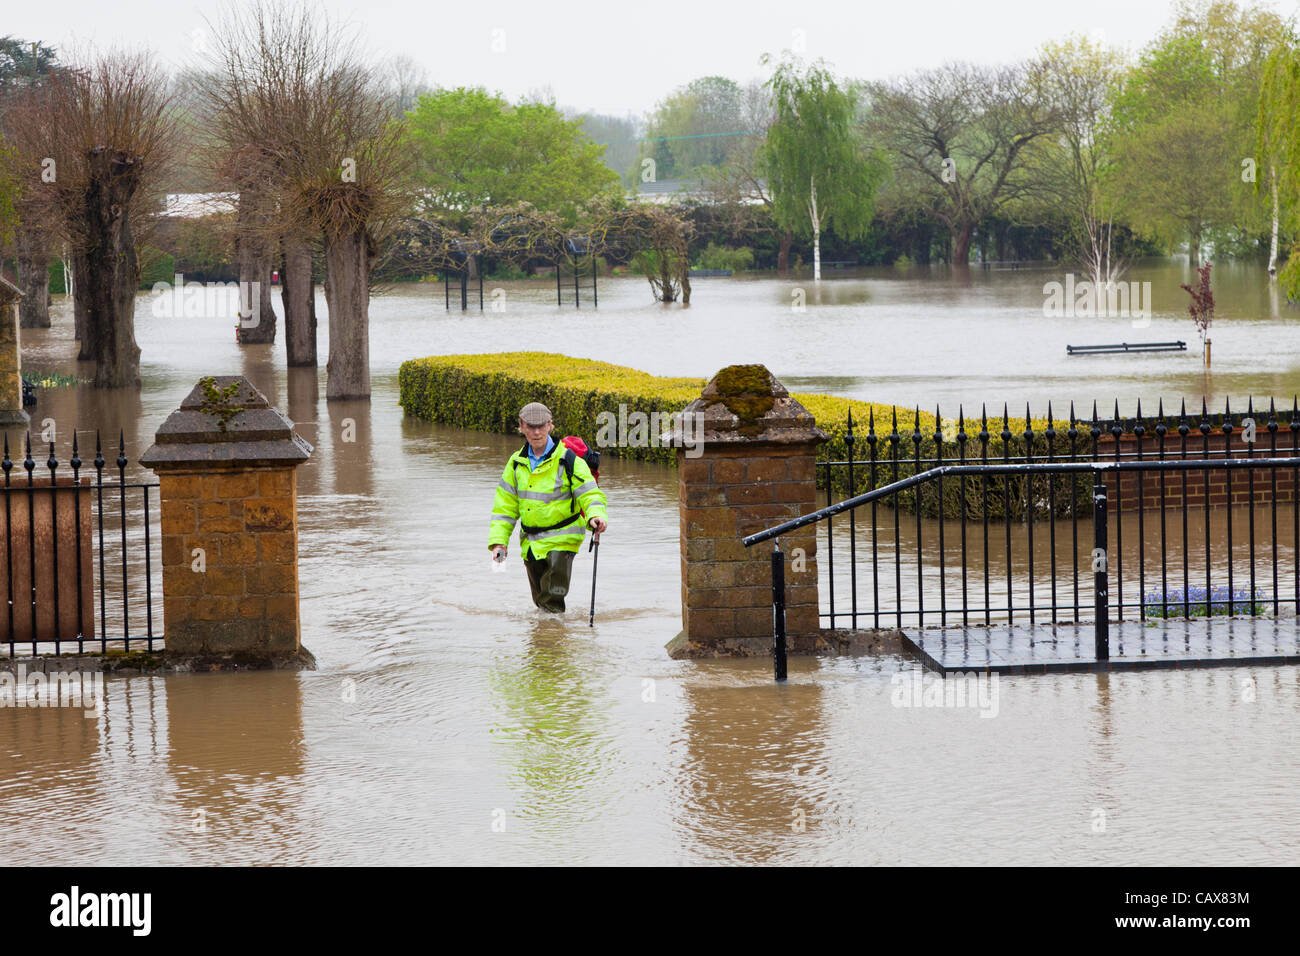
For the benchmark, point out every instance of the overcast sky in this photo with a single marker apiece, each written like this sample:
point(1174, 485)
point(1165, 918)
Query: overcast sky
point(620, 56)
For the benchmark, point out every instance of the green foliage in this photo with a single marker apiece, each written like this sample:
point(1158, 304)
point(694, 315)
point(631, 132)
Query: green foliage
point(714, 256)
point(618, 136)
point(693, 129)
point(216, 401)
point(8, 195)
point(503, 269)
point(821, 176)
point(156, 266)
point(475, 149)
point(57, 279)
point(42, 379)
point(1185, 118)
point(22, 62)
point(203, 249)
point(1277, 141)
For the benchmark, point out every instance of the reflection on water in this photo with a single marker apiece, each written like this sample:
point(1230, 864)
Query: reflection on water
point(451, 722)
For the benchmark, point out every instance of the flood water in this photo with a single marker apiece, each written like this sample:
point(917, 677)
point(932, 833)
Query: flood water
point(449, 722)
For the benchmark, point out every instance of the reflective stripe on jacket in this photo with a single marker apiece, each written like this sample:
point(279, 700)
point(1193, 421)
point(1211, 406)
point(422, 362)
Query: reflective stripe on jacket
point(540, 499)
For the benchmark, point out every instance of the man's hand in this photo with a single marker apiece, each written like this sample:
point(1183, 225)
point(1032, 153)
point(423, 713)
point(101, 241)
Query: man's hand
point(498, 552)
point(597, 525)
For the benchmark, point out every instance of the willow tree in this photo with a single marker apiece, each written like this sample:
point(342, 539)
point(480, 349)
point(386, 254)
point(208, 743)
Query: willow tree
point(1278, 149)
point(822, 176)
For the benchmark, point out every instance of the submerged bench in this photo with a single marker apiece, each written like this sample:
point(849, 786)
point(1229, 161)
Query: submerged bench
point(1126, 347)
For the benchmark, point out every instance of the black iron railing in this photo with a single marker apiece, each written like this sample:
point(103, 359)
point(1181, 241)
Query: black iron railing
point(1001, 541)
point(49, 601)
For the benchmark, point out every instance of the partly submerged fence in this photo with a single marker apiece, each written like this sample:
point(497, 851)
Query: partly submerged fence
point(68, 540)
point(1058, 527)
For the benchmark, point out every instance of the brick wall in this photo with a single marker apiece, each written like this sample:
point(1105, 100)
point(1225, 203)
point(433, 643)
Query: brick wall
point(246, 595)
point(1193, 483)
point(728, 493)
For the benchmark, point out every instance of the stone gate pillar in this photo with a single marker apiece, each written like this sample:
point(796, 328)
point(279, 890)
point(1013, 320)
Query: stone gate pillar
point(756, 468)
point(11, 382)
point(226, 463)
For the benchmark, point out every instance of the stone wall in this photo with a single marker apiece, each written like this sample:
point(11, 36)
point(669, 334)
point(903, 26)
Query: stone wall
point(226, 464)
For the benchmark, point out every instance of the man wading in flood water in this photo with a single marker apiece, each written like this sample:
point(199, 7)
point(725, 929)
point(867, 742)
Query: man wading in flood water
point(551, 492)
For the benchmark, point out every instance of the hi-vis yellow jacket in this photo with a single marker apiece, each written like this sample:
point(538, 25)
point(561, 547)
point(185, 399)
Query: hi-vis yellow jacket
point(549, 517)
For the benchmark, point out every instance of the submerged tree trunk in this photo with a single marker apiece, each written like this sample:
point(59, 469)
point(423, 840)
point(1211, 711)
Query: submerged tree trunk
point(348, 259)
point(112, 271)
point(961, 239)
point(1194, 248)
point(298, 294)
point(33, 262)
point(255, 265)
point(783, 255)
point(80, 306)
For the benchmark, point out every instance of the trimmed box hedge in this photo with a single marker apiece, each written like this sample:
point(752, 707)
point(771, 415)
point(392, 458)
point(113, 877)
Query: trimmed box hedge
point(484, 392)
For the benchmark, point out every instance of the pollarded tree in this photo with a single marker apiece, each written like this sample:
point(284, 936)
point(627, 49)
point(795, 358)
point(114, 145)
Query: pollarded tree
point(265, 55)
point(108, 131)
point(345, 169)
point(822, 176)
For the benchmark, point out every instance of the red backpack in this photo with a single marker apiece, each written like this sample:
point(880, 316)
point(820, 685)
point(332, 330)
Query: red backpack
point(575, 446)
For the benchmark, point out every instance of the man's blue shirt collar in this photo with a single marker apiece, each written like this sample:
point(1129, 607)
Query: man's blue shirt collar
point(534, 459)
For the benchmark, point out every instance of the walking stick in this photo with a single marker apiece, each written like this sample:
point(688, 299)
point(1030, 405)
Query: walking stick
point(595, 542)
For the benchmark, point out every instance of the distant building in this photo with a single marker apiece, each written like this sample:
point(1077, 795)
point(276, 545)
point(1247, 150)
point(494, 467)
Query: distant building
point(198, 205)
point(678, 190)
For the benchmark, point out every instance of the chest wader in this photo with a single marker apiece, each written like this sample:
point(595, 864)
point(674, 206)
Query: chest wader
point(549, 576)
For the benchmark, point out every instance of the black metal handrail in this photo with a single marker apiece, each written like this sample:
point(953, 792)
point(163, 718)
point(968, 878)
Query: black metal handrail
point(1099, 470)
point(1124, 347)
point(1024, 468)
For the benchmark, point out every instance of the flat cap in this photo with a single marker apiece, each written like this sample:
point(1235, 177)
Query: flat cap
point(535, 413)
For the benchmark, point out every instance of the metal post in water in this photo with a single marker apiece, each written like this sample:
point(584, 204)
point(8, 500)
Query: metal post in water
point(1099, 563)
point(778, 611)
